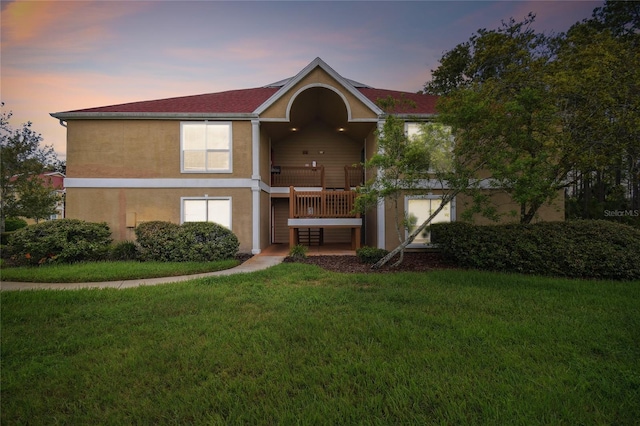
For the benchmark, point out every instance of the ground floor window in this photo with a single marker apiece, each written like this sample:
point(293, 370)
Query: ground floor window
point(419, 209)
point(207, 209)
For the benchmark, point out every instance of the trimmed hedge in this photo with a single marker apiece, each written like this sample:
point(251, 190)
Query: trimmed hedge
point(191, 241)
point(60, 241)
point(577, 249)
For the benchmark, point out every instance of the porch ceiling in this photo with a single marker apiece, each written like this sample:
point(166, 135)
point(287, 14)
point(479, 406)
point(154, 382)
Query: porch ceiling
point(318, 104)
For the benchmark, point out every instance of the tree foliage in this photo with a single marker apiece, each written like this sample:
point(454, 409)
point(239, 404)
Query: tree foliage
point(22, 160)
point(407, 165)
point(556, 110)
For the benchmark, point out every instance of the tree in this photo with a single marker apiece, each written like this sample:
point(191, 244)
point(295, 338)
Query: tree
point(22, 160)
point(598, 79)
point(496, 97)
point(413, 165)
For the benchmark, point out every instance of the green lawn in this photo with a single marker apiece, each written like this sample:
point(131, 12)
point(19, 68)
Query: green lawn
point(296, 344)
point(110, 271)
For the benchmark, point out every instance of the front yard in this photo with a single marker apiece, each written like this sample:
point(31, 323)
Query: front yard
point(298, 344)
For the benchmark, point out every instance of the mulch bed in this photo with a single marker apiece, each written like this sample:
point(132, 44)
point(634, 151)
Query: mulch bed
point(413, 262)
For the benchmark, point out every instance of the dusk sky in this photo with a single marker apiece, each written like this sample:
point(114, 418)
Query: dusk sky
point(66, 55)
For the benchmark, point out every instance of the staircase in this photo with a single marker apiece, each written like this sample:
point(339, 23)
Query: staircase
point(311, 236)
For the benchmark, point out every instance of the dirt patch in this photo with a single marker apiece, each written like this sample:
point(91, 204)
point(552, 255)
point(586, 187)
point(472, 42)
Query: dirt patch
point(413, 262)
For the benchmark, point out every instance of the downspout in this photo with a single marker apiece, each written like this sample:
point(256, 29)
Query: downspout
point(61, 121)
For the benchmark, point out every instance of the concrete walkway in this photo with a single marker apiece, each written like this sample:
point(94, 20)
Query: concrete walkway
point(256, 263)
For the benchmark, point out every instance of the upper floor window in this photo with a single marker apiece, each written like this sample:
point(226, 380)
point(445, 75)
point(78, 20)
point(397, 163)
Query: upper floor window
point(206, 147)
point(439, 141)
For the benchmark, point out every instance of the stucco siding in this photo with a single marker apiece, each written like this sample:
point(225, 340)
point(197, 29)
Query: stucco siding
point(141, 149)
point(112, 205)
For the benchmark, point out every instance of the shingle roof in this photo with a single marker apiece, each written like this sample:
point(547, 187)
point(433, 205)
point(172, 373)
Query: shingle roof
point(233, 101)
point(248, 100)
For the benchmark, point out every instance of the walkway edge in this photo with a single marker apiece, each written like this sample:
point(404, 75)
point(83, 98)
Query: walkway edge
point(256, 263)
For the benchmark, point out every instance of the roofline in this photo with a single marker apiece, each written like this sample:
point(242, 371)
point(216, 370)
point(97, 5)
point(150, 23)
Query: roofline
point(151, 116)
point(319, 63)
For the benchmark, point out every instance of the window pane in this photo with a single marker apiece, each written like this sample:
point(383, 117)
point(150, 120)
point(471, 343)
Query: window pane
point(194, 160)
point(193, 136)
point(218, 136)
point(195, 211)
point(421, 209)
point(413, 129)
point(217, 160)
point(220, 212)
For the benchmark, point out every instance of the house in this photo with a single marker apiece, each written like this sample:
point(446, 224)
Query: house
point(275, 164)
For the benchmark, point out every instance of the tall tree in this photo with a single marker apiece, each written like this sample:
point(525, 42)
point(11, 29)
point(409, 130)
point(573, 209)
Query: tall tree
point(22, 160)
point(496, 96)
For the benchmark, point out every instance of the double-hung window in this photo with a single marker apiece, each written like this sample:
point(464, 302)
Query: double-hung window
point(206, 147)
point(207, 209)
point(420, 209)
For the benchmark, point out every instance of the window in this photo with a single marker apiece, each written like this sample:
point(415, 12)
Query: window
point(439, 141)
point(419, 209)
point(216, 210)
point(206, 147)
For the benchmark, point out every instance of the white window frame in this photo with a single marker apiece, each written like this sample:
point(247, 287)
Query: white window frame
point(452, 215)
point(207, 150)
point(206, 198)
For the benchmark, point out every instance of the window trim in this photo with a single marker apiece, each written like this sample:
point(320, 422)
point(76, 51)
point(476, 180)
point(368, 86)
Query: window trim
point(230, 150)
point(430, 196)
point(207, 198)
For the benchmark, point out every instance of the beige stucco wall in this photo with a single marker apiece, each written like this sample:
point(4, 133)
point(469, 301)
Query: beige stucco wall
point(502, 201)
point(112, 205)
point(141, 149)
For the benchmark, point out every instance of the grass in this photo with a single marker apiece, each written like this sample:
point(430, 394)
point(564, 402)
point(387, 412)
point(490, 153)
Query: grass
point(110, 271)
point(296, 344)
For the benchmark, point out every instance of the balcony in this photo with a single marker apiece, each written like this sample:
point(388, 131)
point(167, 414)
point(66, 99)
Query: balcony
point(314, 177)
point(321, 210)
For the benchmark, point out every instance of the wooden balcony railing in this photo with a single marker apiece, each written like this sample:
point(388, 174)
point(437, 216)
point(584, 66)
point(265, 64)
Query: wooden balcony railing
point(353, 177)
point(298, 176)
point(321, 204)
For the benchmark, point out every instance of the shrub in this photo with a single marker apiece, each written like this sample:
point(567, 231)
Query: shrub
point(370, 254)
point(14, 223)
point(578, 249)
point(125, 250)
point(157, 240)
point(62, 241)
point(298, 251)
point(192, 241)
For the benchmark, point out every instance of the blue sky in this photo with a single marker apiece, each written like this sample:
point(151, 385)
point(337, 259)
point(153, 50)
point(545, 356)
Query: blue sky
point(66, 55)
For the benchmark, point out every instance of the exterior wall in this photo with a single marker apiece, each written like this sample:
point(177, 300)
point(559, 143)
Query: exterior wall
point(265, 220)
point(339, 151)
point(141, 149)
point(112, 205)
point(510, 211)
point(503, 202)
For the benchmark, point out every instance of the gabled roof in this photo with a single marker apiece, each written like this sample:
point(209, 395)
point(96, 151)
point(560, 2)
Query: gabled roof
point(247, 102)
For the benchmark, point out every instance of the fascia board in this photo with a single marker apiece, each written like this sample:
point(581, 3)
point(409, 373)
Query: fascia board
point(150, 116)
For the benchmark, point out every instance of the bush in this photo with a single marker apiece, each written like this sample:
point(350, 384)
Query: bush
point(578, 249)
point(61, 241)
point(11, 224)
point(157, 240)
point(298, 251)
point(125, 250)
point(14, 223)
point(370, 254)
point(192, 241)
